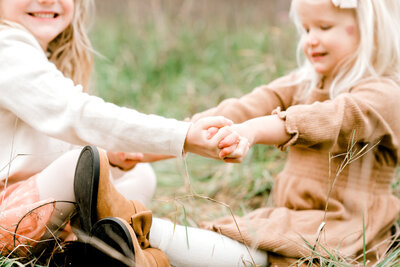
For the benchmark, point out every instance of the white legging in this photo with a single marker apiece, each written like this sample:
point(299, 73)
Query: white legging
point(206, 248)
point(195, 247)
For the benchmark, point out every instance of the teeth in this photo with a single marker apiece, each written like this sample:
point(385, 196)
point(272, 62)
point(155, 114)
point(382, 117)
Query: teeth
point(43, 15)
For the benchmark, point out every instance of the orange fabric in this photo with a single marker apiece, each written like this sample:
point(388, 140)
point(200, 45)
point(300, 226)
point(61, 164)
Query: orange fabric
point(22, 212)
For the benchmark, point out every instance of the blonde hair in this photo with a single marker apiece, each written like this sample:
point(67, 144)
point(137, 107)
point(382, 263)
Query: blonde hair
point(378, 53)
point(71, 51)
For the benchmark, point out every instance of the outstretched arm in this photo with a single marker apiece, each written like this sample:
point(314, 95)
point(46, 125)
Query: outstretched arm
point(197, 141)
point(266, 130)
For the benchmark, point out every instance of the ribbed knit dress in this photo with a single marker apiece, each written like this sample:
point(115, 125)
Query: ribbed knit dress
point(323, 132)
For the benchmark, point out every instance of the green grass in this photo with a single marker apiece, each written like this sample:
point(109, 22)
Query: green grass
point(194, 67)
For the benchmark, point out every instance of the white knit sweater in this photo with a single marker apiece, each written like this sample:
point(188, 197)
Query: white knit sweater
point(43, 114)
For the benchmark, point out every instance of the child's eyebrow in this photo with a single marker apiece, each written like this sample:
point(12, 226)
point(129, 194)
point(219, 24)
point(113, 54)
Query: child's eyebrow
point(317, 21)
point(325, 21)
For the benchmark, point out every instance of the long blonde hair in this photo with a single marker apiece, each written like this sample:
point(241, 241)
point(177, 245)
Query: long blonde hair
point(71, 51)
point(378, 54)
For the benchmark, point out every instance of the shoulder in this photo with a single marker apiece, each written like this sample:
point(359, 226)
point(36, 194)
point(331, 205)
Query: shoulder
point(378, 81)
point(384, 86)
point(19, 49)
point(380, 94)
point(12, 35)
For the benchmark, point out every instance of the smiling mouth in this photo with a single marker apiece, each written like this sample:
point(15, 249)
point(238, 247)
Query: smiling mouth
point(44, 15)
point(315, 55)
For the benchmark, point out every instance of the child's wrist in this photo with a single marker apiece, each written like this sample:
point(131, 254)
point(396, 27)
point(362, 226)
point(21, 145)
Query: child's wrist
point(247, 132)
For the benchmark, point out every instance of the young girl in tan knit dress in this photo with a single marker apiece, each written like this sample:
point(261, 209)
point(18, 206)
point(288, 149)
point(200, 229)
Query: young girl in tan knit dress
point(338, 117)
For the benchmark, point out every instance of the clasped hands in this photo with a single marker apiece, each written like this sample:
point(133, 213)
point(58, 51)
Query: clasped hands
point(212, 137)
point(216, 137)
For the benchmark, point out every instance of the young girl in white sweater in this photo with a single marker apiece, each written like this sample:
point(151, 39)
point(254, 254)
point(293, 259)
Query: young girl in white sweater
point(46, 116)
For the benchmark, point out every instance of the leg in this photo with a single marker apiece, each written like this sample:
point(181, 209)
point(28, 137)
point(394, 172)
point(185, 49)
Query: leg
point(188, 246)
point(98, 200)
point(138, 183)
point(56, 182)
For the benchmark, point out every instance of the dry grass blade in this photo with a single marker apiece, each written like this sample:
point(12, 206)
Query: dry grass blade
point(350, 156)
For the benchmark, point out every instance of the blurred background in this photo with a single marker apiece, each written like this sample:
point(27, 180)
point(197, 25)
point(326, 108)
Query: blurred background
point(178, 57)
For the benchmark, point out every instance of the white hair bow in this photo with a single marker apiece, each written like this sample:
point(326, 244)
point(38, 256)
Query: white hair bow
point(345, 3)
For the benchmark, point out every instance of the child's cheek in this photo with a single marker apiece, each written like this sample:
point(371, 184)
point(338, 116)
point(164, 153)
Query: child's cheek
point(350, 30)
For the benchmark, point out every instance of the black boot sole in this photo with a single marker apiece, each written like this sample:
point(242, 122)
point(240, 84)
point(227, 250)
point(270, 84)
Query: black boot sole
point(86, 185)
point(119, 250)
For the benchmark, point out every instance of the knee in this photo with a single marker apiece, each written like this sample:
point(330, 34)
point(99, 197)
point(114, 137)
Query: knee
point(146, 171)
point(139, 183)
point(142, 171)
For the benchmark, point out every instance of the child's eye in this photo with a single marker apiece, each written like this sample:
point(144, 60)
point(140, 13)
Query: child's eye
point(325, 27)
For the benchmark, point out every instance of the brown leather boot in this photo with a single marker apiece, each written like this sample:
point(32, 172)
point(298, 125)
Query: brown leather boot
point(114, 243)
point(97, 197)
point(111, 203)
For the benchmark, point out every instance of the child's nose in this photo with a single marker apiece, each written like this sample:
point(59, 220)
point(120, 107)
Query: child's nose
point(312, 38)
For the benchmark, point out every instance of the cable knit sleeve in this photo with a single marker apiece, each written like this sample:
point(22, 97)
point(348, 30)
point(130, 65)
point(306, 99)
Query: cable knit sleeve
point(369, 112)
point(260, 102)
point(40, 96)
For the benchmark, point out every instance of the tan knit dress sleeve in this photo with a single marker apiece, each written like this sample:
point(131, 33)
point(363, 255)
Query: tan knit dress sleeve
point(366, 114)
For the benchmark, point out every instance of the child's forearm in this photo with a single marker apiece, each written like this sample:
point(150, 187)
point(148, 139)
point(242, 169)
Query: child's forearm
point(267, 130)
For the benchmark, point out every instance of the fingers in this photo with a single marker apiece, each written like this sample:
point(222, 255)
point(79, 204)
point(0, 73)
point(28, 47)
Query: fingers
point(221, 134)
point(230, 140)
point(211, 132)
point(227, 151)
point(124, 161)
point(155, 157)
point(133, 156)
point(239, 152)
point(217, 122)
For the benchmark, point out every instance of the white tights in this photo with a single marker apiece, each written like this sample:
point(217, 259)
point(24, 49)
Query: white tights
point(206, 248)
point(195, 247)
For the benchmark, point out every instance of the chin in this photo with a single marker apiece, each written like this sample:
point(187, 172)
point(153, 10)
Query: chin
point(320, 71)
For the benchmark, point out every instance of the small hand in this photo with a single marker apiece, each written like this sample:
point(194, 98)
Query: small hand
point(234, 147)
point(127, 161)
point(236, 152)
point(124, 161)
